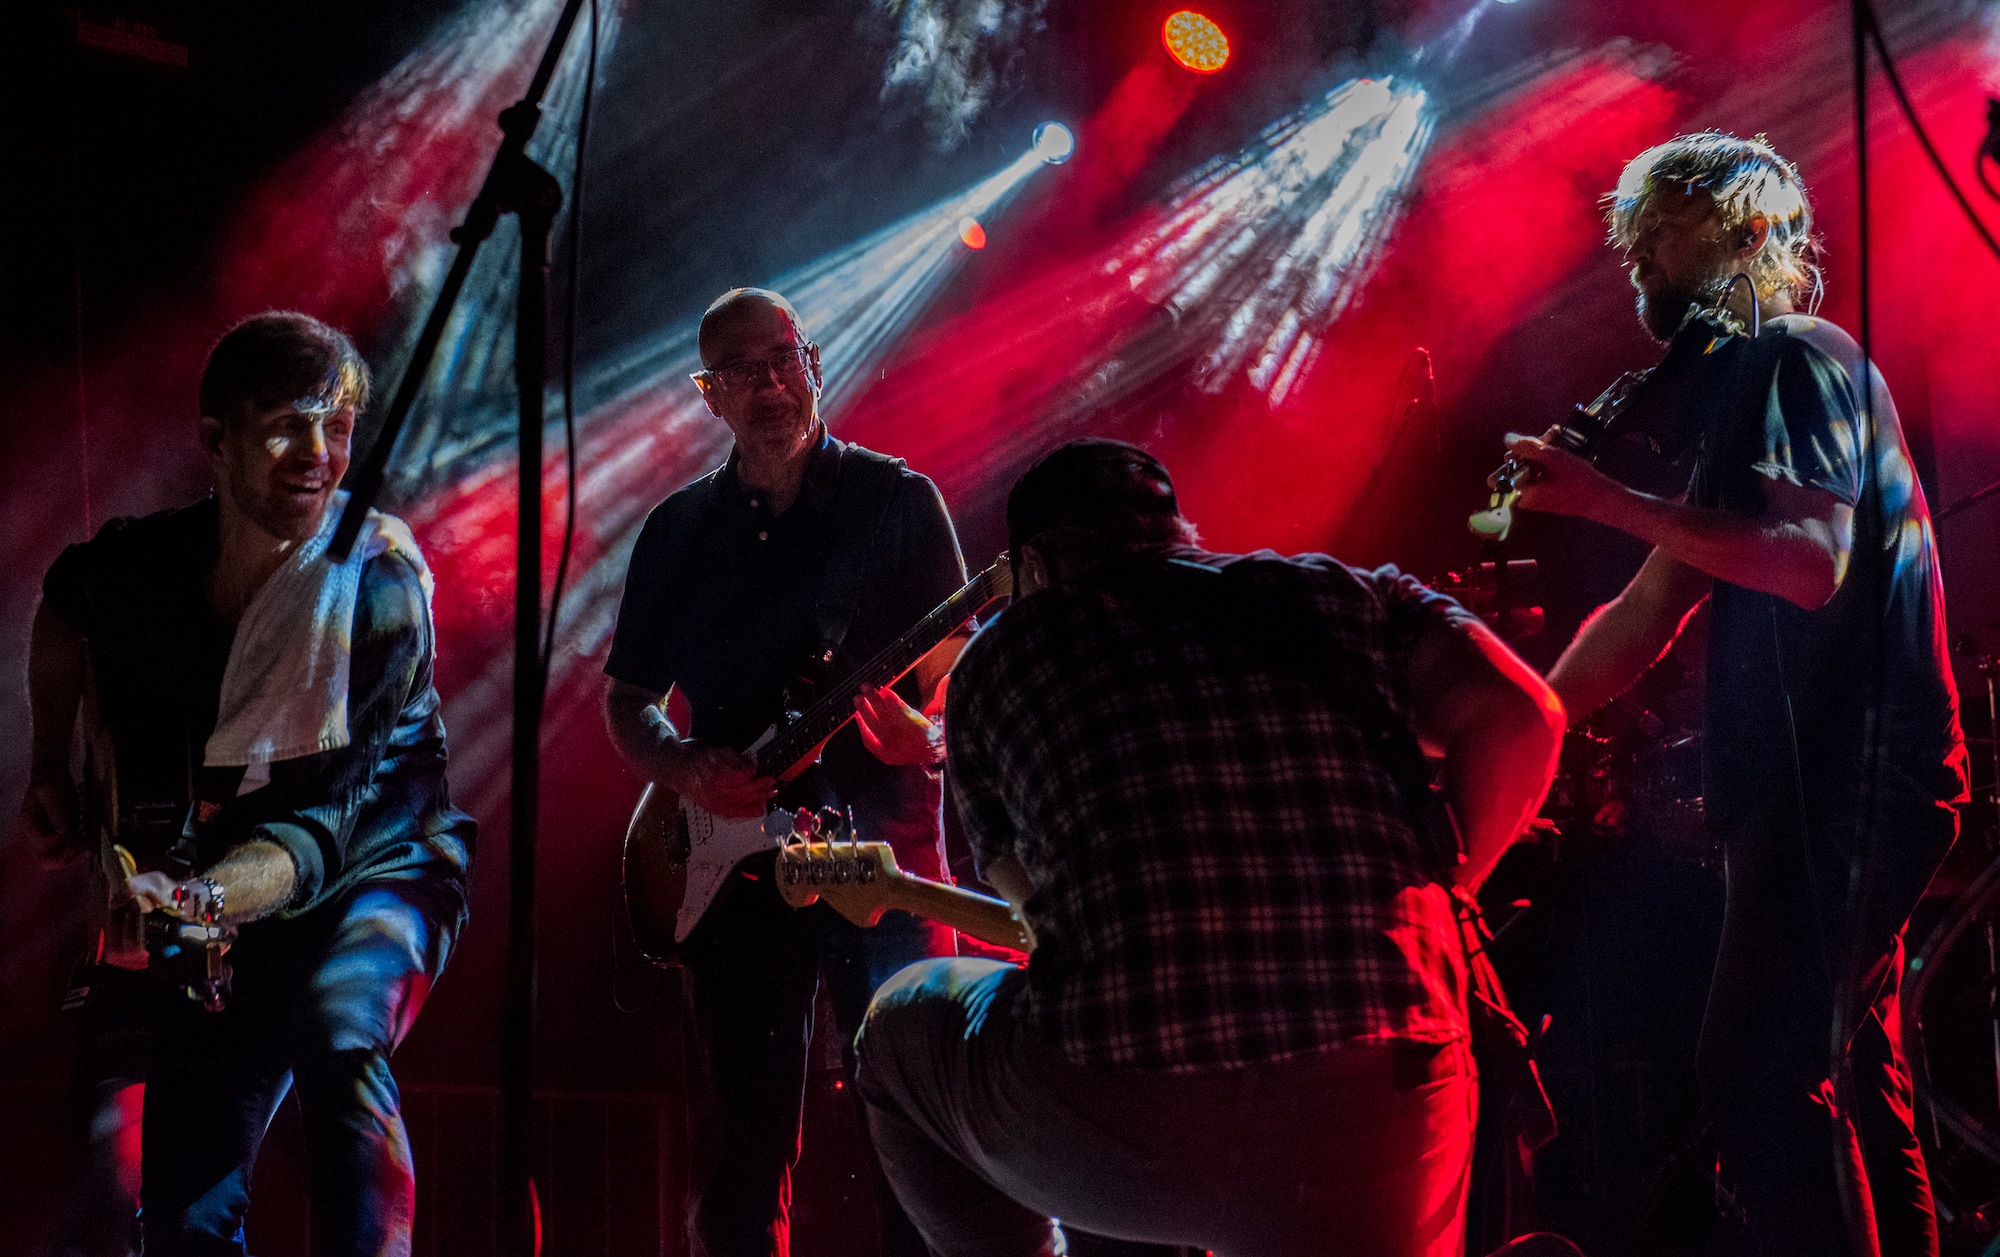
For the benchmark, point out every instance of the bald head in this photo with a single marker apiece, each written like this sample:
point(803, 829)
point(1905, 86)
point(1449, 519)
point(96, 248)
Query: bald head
point(741, 310)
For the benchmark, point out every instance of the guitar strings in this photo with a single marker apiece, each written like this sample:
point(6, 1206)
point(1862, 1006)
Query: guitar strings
point(837, 707)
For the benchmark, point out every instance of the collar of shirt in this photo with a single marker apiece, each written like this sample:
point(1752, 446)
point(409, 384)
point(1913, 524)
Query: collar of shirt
point(815, 491)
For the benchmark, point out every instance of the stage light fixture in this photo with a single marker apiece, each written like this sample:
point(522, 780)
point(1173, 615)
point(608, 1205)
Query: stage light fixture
point(1053, 143)
point(1194, 40)
point(970, 233)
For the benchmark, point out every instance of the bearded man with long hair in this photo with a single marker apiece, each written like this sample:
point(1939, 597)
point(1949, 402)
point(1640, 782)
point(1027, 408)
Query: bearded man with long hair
point(1834, 764)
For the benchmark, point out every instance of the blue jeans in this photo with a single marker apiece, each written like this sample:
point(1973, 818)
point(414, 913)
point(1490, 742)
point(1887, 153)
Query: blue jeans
point(756, 966)
point(320, 1001)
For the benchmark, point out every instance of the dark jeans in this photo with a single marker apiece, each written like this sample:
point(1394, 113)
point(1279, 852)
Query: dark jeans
point(320, 1001)
point(989, 1136)
point(1788, 1142)
point(756, 966)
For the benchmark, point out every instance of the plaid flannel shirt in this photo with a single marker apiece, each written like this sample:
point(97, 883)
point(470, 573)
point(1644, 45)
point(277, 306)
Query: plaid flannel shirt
point(1224, 871)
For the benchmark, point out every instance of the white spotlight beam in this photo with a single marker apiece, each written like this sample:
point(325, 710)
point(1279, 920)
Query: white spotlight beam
point(1261, 253)
point(855, 300)
point(859, 301)
point(654, 434)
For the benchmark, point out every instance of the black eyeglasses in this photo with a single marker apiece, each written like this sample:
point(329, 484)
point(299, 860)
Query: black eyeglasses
point(790, 364)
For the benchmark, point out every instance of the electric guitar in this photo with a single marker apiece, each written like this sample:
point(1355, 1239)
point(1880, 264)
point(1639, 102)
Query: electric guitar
point(193, 956)
point(678, 854)
point(860, 881)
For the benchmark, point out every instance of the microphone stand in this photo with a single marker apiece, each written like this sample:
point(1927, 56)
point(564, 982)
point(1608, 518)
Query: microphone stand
point(514, 185)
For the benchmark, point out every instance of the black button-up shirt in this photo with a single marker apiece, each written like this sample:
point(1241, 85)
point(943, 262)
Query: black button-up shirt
point(721, 600)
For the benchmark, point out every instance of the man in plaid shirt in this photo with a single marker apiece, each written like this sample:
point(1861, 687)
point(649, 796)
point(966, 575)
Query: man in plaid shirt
point(1199, 777)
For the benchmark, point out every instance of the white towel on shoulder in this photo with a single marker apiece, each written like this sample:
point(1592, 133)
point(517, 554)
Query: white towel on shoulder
point(284, 691)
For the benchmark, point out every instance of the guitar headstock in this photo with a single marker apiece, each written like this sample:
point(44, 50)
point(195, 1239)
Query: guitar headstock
point(853, 877)
point(860, 881)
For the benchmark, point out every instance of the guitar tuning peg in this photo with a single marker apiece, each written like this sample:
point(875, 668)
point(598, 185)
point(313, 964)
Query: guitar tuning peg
point(805, 824)
point(827, 822)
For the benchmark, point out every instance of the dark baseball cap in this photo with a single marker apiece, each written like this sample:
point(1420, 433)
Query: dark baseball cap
point(1091, 482)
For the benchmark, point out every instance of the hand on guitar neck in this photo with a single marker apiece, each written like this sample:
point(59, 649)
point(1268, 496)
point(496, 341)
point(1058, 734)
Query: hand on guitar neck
point(897, 733)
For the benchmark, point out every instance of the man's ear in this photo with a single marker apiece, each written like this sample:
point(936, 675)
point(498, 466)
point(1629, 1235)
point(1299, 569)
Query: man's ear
point(1031, 571)
point(210, 434)
point(707, 392)
point(1750, 237)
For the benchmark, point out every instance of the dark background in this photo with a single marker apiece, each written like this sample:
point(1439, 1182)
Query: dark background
point(312, 154)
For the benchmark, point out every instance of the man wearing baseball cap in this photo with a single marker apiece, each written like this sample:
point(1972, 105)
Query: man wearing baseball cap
point(1199, 776)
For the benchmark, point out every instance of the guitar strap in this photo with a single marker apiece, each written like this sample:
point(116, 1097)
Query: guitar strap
point(866, 486)
point(212, 789)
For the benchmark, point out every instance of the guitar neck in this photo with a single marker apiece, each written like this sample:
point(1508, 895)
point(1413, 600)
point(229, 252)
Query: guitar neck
point(985, 918)
point(861, 882)
point(826, 716)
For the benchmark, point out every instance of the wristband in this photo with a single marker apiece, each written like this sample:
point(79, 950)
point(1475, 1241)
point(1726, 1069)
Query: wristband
point(215, 896)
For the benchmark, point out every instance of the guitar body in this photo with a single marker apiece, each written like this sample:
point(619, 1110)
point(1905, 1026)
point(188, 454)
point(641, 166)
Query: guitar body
point(655, 874)
point(677, 856)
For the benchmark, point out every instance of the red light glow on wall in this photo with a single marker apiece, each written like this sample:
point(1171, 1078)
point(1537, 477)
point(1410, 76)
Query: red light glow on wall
point(1195, 41)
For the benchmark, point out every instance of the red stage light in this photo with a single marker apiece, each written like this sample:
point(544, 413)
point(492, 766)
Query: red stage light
point(971, 234)
point(1195, 41)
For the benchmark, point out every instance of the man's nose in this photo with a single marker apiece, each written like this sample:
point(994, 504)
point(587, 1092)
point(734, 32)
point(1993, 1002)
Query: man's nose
point(315, 442)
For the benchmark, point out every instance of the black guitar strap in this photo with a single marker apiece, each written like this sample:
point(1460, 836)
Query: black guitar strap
point(866, 486)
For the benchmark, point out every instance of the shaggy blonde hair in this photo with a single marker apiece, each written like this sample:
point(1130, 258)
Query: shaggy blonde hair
point(1747, 179)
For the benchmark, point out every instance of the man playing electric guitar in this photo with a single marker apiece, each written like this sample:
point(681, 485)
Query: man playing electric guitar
point(799, 550)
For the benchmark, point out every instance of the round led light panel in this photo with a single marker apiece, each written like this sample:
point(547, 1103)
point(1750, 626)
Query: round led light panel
point(1195, 41)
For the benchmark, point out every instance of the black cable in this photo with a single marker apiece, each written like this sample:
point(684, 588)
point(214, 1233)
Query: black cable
point(1989, 147)
point(1866, 11)
point(1861, 859)
point(1756, 302)
point(1845, 974)
point(569, 351)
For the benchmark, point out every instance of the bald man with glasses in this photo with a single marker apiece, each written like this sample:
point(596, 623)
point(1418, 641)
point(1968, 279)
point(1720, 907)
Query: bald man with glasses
point(734, 585)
